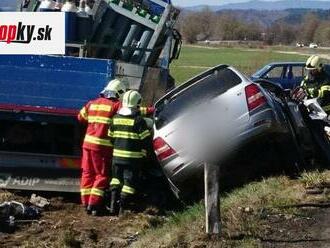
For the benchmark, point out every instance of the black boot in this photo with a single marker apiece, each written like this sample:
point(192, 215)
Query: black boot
point(95, 210)
point(99, 210)
point(114, 203)
point(124, 203)
point(89, 209)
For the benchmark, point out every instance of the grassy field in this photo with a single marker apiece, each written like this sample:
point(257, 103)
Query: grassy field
point(194, 60)
point(249, 215)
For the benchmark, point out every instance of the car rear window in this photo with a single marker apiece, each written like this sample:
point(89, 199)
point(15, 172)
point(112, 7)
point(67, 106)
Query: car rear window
point(207, 88)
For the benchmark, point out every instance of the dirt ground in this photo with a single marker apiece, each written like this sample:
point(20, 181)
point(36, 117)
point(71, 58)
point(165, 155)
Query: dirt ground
point(312, 230)
point(65, 224)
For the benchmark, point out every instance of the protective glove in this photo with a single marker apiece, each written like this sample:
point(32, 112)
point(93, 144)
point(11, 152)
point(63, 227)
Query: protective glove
point(298, 94)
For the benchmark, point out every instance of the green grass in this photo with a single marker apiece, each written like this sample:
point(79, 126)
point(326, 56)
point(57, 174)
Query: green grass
point(194, 60)
point(244, 212)
point(314, 179)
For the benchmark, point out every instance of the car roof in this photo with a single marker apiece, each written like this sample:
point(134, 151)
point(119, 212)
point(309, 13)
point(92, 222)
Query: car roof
point(286, 63)
point(189, 82)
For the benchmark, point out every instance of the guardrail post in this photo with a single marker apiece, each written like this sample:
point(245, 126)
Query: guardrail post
point(212, 198)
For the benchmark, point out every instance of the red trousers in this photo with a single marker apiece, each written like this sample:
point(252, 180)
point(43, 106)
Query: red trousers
point(95, 175)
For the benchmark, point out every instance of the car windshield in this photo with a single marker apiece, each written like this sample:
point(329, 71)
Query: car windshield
point(207, 88)
point(261, 71)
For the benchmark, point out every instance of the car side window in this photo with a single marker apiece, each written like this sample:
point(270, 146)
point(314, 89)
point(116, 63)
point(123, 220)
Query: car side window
point(298, 71)
point(276, 72)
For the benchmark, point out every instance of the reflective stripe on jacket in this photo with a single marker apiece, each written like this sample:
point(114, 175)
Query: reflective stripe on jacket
point(130, 137)
point(319, 87)
point(98, 115)
point(145, 111)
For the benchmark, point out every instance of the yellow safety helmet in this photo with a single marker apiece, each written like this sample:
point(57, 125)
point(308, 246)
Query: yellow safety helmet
point(115, 89)
point(132, 99)
point(313, 63)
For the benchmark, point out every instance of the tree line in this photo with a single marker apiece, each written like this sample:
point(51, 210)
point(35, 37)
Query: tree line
point(208, 25)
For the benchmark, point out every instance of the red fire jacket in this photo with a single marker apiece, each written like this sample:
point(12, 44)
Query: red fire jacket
point(98, 115)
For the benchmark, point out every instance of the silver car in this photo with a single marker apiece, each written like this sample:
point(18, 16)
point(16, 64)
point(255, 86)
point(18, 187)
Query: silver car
point(219, 115)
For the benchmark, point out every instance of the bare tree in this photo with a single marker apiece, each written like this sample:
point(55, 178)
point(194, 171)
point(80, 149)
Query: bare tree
point(206, 21)
point(231, 28)
point(196, 25)
point(309, 27)
point(231, 25)
point(322, 34)
point(190, 28)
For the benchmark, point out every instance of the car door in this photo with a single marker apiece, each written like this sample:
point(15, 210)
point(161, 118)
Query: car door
point(292, 76)
point(298, 72)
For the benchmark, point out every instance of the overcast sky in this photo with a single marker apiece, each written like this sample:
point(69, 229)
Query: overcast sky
point(209, 2)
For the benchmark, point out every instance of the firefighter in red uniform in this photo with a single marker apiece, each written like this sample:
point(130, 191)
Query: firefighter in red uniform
point(97, 148)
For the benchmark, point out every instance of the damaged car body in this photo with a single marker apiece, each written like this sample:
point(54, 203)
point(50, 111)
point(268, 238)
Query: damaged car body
point(252, 126)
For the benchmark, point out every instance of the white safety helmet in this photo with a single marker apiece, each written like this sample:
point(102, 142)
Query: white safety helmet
point(47, 4)
point(313, 63)
point(114, 89)
point(69, 6)
point(132, 99)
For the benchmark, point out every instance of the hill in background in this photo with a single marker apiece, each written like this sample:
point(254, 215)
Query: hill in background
point(268, 17)
point(269, 5)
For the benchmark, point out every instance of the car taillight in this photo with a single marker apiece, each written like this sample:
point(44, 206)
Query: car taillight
point(162, 149)
point(254, 97)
